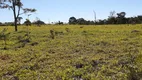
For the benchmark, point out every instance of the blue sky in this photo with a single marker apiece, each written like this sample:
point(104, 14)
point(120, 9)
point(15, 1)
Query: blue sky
point(55, 10)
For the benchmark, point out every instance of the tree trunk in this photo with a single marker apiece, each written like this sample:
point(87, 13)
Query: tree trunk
point(15, 24)
point(15, 17)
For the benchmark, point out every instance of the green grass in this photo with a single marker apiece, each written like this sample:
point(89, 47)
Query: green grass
point(109, 52)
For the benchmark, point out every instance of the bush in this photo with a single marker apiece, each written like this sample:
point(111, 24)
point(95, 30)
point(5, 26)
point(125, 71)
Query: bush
point(27, 22)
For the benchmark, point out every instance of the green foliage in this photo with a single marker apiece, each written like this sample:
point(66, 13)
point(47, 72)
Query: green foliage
point(27, 22)
point(52, 34)
point(38, 22)
point(4, 36)
point(113, 18)
point(69, 52)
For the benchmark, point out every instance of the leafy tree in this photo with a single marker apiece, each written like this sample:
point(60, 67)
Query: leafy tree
point(72, 20)
point(140, 18)
point(112, 18)
point(90, 22)
point(0, 23)
point(121, 18)
point(101, 22)
point(16, 6)
point(27, 22)
point(81, 21)
point(121, 14)
point(137, 20)
point(38, 22)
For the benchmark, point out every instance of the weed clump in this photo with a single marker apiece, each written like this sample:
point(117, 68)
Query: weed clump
point(67, 30)
point(52, 34)
point(23, 40)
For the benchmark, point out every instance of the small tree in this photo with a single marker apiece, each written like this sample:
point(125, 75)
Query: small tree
point(27, 22)
point(15, 6)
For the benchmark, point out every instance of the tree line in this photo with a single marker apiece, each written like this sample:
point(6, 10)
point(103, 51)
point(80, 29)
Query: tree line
point(113, 18)
point(27, 22)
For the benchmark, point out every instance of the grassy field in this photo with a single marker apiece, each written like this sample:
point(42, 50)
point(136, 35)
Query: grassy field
point(108, 52)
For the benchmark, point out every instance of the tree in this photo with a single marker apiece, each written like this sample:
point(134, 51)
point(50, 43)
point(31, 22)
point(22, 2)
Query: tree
point(72, 20)
point(112, 18)
point(81, 21)
point(140, 18)
point(121, 14)
point(0, 23)
point(27, 22)
point(121, 18)
point(38, 22)
point(112, 14)
point(16, 6)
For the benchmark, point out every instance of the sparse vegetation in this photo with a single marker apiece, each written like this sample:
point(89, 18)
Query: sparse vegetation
point(4, 36)
point(66, 52)
point(89, 46)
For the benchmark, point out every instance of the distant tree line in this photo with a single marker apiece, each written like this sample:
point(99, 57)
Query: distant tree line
point(113, 18)
point(27, 22)
point(7, 24)
point(80, 21)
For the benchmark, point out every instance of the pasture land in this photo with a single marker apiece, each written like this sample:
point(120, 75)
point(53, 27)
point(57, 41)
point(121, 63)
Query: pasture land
point(72, 52)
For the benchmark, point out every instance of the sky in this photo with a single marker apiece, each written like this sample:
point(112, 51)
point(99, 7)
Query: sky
point(61, 10)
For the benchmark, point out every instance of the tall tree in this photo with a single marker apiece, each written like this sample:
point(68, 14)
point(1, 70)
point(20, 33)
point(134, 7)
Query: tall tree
point(16, 6)
point(112, 14)
point(121, 14)
point(112, 18)
point(121, 19)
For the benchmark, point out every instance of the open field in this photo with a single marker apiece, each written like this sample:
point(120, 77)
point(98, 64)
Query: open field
point(65, 52)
